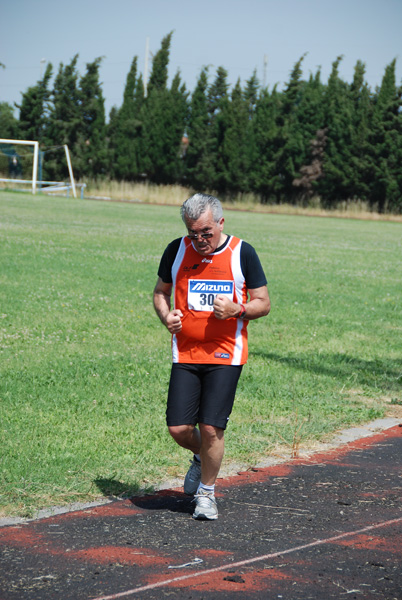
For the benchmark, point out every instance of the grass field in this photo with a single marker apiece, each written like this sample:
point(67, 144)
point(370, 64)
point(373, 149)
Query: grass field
point(85, 362)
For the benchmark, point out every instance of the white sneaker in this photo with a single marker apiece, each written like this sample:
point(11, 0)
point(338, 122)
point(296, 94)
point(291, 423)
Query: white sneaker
point(206, 508)
point(193, 478)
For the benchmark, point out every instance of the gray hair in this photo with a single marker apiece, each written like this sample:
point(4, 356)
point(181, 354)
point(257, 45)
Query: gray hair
point(197, 204)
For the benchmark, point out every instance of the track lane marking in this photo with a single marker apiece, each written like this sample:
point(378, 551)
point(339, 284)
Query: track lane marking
point(248, 561)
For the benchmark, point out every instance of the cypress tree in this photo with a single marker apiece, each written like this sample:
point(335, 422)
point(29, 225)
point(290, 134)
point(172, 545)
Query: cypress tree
point(125, 129)
point(159, 75)
point(10, 158)
point(251, 97)
point(217, 103)
point(293, 91)
point(264, 138)
point(111, 141)
point(234, 164)
point(64, 119)
point(251, 92)
point(177, 118)
point(291, 150)
point(152, 117)
point(90, 151)
point(34, 109)
point(312, 136)
point(311, 173)
point(197, 156)
point(310, 110)
point(337, 183)
point(9, 125)
point(164, 116)
point(206, 133)
point(217, 92)
point(361, 106)
point(386, 145)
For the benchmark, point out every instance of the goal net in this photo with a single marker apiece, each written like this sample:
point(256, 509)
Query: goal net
point(21, 164)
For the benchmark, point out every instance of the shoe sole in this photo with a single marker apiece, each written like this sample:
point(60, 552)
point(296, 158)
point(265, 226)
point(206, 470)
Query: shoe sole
point(203, 517)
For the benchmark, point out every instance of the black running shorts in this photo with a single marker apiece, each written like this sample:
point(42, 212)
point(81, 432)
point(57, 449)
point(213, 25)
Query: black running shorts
point(201, 394)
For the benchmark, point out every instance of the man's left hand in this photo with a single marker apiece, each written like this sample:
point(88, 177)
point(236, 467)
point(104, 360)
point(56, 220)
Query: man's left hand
point(225, 308)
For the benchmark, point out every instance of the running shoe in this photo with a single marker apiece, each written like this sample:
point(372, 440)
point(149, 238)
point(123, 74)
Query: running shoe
point(205, 506)
point(193, 478)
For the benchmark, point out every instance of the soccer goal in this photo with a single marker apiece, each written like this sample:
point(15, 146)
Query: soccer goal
point(17, 154)
point(20, 160)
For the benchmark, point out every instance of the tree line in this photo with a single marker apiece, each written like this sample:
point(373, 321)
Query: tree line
point(335, 141)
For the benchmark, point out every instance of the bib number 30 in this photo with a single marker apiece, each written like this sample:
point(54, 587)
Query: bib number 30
point(201, 293)
point(207, 299)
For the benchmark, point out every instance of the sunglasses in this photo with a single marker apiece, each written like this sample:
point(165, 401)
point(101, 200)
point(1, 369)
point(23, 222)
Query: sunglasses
point(195, 236)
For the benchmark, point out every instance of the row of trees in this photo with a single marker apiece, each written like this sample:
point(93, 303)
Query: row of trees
point(335, 140)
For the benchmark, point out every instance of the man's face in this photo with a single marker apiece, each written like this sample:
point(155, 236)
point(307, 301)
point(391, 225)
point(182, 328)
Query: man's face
point(205, 225)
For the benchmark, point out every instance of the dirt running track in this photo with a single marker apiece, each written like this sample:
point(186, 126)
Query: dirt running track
point(325, 527)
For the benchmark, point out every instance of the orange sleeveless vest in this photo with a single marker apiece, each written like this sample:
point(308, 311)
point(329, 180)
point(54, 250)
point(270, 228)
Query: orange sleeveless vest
point(197, 280)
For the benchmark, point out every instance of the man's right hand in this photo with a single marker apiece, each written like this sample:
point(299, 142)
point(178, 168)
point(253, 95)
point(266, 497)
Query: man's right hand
point(173, 321)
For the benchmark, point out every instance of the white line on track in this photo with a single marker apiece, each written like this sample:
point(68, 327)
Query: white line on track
point(248, 561)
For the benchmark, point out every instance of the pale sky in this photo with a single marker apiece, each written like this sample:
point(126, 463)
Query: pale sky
point(235, 34)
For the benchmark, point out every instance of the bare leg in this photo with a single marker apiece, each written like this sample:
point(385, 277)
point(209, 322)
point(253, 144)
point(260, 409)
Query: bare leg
point(208, 442)
point(211, 452)
point(187, 436)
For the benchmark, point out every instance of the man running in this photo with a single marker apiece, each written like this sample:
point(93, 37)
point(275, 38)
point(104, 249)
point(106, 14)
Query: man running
point(218, 285)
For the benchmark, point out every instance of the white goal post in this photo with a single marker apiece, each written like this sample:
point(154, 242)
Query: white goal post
point(34, 181)
point(35, 158)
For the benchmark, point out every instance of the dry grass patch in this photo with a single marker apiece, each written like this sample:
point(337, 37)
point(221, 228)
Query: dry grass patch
point(391, 406)
point(174, 195)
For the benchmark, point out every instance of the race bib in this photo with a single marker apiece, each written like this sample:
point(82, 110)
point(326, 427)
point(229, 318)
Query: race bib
point(202, 292)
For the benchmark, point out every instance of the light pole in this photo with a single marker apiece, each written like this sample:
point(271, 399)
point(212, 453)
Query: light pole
point(42, 63)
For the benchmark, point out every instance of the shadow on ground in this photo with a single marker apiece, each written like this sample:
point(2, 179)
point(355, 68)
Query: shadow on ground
point(116, 489)
point(170, 500)
point(385, 374)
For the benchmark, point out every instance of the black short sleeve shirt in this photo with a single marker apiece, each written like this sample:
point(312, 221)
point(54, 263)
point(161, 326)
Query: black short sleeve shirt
point(249, 261)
